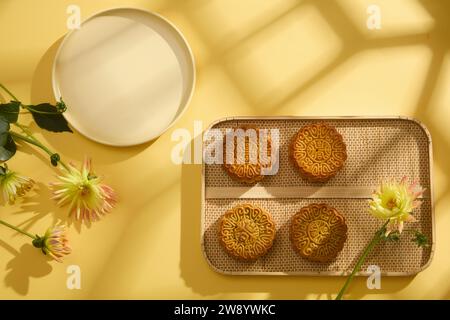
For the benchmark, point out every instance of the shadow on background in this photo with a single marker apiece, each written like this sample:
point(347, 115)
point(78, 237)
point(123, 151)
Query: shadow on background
point(40, 204)
point(198, 275)
point(439, 42)
point(36, 205)
point(27, 263)
point(194, 269)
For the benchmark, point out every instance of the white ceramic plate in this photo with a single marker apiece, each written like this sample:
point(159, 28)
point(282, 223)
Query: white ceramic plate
point(126, 76)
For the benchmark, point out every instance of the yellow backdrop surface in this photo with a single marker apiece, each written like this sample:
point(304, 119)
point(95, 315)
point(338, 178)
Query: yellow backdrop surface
point(253, 57)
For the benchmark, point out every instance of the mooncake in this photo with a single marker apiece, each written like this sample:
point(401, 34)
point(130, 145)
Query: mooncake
point(250, 170)
point(318, 151)
point(318, 232)
point(247, 232)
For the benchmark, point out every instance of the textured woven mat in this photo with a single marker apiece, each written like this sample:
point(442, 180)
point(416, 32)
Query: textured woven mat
point(378, 149)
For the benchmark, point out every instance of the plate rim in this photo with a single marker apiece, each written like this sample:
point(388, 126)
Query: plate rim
point(190, 56)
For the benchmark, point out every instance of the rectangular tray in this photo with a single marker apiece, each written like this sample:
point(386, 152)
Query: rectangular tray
point(378, 149)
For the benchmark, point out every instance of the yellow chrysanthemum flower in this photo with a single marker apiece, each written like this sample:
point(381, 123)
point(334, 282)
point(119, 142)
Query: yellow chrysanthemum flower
point(13, 185)
point(395, 201)
point(83, 191)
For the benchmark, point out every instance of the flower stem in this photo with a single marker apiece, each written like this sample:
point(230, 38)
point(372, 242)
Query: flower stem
point(17, 229)
point(32, 110)
point(20, 112)
point(25, 130)
point(25, 106)
point(8, 92)
point(32, 140)
point(375, 240)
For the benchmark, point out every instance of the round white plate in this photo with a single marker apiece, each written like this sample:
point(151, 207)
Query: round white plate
point(126, 76)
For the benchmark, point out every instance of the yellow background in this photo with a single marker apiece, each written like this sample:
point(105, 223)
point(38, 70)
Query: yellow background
point(253, 58)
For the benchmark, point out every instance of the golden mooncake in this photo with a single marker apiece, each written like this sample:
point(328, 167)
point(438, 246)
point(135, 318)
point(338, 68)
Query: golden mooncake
point(318, 151)
point(247, 232)
point(250, 170)
point(318, 232)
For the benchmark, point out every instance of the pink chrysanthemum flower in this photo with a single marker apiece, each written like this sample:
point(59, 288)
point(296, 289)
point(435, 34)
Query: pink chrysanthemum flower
point(54, 243)
point(82, 190)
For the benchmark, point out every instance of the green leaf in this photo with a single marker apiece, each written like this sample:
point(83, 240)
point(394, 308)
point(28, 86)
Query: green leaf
point(10, 111)
point(4, 124)
point(51, 122)
point(420, 239)
point(7, 146)
point(3, 138)
point(61, 105)
point(393, 236)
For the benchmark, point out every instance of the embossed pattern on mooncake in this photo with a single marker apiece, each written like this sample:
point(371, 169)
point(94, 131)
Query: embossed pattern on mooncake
point(247, 232)
point(249, 171)
point(318, 232)
point(319, 151)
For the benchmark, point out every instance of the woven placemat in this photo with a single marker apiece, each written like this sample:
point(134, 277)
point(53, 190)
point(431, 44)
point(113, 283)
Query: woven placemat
point(377, 148)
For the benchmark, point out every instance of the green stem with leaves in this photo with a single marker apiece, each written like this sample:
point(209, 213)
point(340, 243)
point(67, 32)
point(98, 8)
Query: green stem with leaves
point(32, 110)
point(29, 138)
point(29, 108)
point(17, 229)
point(372, 244)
